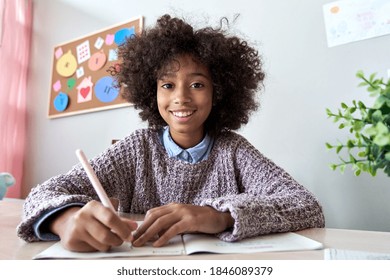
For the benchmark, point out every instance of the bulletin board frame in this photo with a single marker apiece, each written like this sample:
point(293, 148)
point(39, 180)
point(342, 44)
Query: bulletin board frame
point(80, 82)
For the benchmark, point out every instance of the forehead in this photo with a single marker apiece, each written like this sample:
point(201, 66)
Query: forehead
point(183, 63)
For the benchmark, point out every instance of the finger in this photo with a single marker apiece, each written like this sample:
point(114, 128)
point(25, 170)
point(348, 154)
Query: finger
point(120, 226)
point(115, 202)
point(102, 234)
point(100, 223)
point(151, 216)
point(96, 244)
point(86, 243)
point(132, 225)
point(168, 235)
point(148, 221)
point(113, 222)
point(80, 246)
point(161, 224)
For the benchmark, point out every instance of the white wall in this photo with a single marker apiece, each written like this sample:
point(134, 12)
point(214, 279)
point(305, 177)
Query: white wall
point(304, 78)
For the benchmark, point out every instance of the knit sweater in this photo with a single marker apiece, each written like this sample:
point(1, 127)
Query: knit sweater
point(261, 197)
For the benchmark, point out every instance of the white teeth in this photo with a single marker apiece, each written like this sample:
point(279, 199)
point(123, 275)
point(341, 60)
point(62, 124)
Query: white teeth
point(182, 114)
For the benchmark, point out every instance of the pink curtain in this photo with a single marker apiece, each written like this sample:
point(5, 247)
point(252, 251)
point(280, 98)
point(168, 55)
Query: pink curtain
point(15, 36)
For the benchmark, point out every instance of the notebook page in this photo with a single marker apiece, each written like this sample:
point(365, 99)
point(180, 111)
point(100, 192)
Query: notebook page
point(289, 241)
point(173, 248)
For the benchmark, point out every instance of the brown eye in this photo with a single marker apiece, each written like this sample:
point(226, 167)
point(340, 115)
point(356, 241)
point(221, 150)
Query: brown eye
point(197, 85)
point(167, 86)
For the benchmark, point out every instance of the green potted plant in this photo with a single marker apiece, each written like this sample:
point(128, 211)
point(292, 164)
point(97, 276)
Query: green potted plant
point(368, 150)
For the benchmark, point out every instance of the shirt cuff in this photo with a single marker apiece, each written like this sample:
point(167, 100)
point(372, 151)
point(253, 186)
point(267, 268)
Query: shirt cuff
point(225, 205)
point(41, 228)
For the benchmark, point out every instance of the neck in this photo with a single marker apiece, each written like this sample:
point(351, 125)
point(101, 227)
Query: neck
point(186, 140)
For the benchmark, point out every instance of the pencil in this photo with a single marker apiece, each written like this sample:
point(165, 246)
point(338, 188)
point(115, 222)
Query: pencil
point(94, 180)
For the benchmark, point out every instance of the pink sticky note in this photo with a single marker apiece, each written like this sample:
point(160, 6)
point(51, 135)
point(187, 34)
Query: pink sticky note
point(58, 53)
point(57, 85)
point(109, 39)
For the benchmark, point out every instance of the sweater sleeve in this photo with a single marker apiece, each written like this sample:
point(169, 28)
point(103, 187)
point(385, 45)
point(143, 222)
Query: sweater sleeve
point(74, 187)
point(270, 200)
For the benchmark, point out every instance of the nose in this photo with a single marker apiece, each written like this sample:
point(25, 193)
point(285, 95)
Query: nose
point(182, 95)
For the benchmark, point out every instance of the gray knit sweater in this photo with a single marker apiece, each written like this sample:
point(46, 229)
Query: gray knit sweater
point(261, 197)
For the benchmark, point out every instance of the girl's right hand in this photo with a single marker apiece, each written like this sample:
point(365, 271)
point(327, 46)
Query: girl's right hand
point(92, 228)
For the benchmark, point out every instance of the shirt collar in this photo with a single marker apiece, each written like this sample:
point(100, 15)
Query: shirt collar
point(196, 153)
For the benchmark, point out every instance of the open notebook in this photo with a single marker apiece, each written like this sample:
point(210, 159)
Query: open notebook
point(187, 244)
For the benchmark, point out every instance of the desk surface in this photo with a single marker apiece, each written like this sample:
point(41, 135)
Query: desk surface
point(11, 247)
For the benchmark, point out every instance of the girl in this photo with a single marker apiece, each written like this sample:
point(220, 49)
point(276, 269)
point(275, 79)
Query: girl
point(189, 172)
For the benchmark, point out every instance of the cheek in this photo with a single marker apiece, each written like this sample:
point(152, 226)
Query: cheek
point(162, 105)
point(160, 101)
point(159, 104)
point(208, 104)
point(161, 109)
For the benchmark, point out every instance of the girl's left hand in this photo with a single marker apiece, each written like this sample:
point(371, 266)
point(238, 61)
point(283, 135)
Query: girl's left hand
point(169, 220)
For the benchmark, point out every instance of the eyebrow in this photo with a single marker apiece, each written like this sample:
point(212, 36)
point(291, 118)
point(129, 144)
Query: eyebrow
point(173, 74)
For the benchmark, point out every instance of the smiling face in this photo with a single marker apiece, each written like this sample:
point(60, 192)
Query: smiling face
point(184, 98)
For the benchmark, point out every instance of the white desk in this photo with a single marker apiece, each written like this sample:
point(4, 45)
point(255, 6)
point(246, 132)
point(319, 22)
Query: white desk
point(11, 247)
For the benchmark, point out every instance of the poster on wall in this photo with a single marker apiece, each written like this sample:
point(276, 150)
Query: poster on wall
point(349, 21)
point(80, 82)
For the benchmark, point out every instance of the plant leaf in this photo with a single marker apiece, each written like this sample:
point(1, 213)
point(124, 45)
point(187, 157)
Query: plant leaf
point(360, 74)
point(357, 172)
point(381, 128)
point(328, 146)
point(361, 105)
point(372, 77)
point(377, 116)
point(382, 140)
point(333, 166)
point(379, 102)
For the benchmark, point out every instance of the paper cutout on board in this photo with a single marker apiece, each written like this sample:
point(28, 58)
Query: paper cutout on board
point(66, 64)
point(123, 34)
point(350, 20)
point(58, 53)
point(105, 90)
point(113, 54)
point(57, 85)
point(99, 43)
point(61, 102)
point(109, 39)
point(83, 52)
point(97, 61)
point(84, 90)
point(80, 72)
point(71, 83)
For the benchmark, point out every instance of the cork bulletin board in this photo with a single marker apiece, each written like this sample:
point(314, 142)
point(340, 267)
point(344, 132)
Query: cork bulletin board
point(80, 82)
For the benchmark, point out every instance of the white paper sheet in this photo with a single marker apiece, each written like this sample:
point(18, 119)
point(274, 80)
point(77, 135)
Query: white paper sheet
point(338, 254)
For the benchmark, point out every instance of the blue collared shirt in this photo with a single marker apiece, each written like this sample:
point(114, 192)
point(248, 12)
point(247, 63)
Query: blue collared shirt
point(192, 155)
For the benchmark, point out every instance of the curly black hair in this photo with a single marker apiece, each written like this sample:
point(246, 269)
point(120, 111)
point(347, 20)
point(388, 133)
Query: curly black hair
point(235, 67)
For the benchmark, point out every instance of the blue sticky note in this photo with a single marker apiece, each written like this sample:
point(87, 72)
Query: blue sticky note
point(122, 34)
point(61, 101)
point(105, 89)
